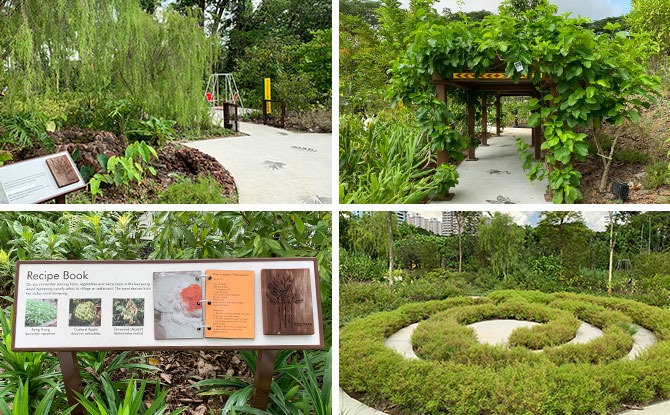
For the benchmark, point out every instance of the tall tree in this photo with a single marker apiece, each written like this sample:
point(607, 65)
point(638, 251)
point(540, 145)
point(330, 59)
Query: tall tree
point(651, 16)
point(465, 221)
point(390, 217)
point(609, 278)
point(565, 235)
point(501, 240)
point(364, 9)
point(518, 7)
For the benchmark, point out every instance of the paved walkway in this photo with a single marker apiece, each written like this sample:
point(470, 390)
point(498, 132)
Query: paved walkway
point(271, 165)
point(497, 332)
point(497, 177)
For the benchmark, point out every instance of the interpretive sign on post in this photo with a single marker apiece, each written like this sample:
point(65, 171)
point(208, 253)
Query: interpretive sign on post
point(39, 179)
point(68, 306)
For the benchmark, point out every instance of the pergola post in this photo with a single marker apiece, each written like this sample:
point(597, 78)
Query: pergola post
point(441, 91)
point(485, 121)
point(471, 131)
point(498, 121)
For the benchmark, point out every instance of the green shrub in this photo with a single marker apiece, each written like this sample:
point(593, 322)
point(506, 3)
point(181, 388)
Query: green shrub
point(383, 160)
point(358, 299)
point(656, 175)
point(650, 264)
point(360, 267)
point(471, 378)
point(205, 190)
point(155, 131)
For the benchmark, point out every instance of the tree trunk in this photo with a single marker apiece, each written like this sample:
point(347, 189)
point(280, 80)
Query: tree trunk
point(459, 222)
point(607, 163)
point(609, 280)
point(390, 223)
point(460, 253)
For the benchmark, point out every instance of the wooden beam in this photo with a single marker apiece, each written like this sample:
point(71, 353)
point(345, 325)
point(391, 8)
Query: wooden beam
point(485, 121)
point(265, 366)
point(471, 131)
point(72, 379)
point(441, 91)
point(498, 116)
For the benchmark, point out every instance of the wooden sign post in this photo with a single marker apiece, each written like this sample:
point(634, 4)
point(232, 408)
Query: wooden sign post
point(262, 304)
point(40, 179)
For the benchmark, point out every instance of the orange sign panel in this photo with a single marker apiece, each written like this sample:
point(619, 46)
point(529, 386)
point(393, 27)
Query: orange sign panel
point(229, 311)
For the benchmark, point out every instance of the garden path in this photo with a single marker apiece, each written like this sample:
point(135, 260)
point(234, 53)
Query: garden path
point(497, 177)
point(271, 165)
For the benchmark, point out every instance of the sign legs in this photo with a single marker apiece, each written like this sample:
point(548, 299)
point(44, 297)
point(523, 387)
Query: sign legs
point(72, 379)
point(265, 366)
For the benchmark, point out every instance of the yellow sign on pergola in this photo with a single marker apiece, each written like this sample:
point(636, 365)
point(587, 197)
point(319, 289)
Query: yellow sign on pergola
point(268, 95)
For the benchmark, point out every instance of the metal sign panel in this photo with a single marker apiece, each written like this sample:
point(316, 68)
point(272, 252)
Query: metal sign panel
point(39, 179)
point(198, 304)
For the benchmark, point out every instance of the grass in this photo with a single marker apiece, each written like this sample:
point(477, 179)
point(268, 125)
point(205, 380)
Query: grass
point(469, 378)
point(205, 190)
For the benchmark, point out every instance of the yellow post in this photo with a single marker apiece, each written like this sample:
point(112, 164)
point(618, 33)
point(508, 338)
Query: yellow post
point(268, 95)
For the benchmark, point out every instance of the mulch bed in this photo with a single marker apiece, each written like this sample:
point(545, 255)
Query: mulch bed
point(621, 172)
point(174, 161)
point(182, 369)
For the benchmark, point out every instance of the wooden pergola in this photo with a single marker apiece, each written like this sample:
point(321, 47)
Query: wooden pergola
point(492, 82)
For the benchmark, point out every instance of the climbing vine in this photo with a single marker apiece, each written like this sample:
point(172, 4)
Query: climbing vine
point(584, 80)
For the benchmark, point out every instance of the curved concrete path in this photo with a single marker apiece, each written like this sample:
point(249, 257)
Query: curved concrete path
point(271, 165)
point(497, 332)
point(497, 176)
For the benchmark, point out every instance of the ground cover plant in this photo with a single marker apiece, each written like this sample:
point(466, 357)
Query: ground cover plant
point(460, 376)
point(30, 382)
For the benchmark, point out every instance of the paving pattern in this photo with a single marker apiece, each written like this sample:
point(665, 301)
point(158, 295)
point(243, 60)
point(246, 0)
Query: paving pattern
point(272, 166)
point(497, 176)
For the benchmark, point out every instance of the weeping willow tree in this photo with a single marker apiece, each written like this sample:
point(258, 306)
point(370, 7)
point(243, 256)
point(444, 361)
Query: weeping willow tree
point(101, 50)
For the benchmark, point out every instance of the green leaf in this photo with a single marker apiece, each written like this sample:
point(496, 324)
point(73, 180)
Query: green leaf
point(534, 119)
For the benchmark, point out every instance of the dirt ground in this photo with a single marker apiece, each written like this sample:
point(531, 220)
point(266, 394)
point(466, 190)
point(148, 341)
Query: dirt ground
point(181, 369)
point(649, 137)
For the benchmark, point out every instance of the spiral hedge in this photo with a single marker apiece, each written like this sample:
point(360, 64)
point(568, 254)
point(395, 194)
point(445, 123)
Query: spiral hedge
point(457, 375)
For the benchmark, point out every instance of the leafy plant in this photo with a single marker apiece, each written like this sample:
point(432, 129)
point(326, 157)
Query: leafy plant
point(446, 177)
point(156, 131)
point(36, 370)
point(23, 129)
point(656, 175)
point(122, 171)
point(24, 405)
point(299, 386)
point(5, 156)
point(382, 160)
point(109, 401)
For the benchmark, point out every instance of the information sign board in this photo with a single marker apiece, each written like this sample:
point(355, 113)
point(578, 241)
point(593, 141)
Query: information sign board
point(272, 303)
point(39, 179)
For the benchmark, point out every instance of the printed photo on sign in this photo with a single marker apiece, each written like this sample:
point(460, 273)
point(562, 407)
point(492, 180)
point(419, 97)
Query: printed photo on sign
point(128, 312)
point(177, 305)
point(42, 312)
point(85, 312)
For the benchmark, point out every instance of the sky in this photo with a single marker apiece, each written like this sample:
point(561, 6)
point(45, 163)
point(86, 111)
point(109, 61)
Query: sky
point(593, 9)
point(594, 220)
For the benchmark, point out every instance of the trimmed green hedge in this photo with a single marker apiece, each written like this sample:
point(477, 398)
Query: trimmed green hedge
point(571, 379)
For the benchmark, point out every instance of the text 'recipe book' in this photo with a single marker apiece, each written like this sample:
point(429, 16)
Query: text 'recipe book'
point(220, 303)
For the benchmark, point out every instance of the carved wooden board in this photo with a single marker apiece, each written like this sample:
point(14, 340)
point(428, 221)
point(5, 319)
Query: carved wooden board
point(287, 303)
point(62, 170)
